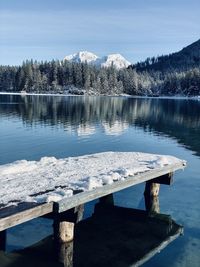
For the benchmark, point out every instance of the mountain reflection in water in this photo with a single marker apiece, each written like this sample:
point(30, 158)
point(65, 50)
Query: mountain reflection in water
point(176, 118)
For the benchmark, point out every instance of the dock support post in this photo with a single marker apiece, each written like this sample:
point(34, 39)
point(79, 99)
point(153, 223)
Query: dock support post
point(105, 204)
point(107, 200)
point(151, 193)
point(3, 240)
point(64, 224)
point(63, 238)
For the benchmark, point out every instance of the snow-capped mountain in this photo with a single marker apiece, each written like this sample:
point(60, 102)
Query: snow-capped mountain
point(82, 57)
point(117, 60)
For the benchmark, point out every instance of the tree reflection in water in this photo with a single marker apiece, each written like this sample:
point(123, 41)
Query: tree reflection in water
point(176, 118)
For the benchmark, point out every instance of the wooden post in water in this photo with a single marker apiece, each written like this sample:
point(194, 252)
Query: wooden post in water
point(151, 192)
point(3, 240)
point(105, 204)
point(151, 197)
point(107, 200)
point(64, 224)
point(63, 237)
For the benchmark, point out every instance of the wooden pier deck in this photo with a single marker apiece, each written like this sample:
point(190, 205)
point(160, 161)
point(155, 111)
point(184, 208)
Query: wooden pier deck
point(68, 212)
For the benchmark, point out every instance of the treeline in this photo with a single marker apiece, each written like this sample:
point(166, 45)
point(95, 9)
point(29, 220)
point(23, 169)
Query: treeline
point(59, 76)
point(183, 83)
point(76, 78)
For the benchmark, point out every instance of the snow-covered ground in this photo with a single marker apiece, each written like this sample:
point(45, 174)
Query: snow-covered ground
point(52, 179)
point(41, 94)
point(120, 95)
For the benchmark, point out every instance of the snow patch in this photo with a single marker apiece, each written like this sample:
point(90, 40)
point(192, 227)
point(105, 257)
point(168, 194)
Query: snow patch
point(52, 179)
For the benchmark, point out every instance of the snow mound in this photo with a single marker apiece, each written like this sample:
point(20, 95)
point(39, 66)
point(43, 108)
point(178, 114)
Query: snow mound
point(115, 60)
point(52, 179)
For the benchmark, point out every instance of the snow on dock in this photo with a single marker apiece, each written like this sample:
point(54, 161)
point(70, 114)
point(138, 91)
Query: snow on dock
point(52, 179)
point(59, 188)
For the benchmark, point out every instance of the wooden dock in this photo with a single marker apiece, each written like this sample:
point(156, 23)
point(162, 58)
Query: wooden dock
point(68, 212)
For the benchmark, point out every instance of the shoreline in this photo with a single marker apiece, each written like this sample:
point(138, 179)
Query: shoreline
point(121, 95)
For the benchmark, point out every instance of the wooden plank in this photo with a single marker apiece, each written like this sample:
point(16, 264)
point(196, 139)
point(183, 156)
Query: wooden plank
point(10, 210)
point(87, 196)
point(25, 215)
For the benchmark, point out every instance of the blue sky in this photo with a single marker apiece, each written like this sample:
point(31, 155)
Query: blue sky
point(47, 29)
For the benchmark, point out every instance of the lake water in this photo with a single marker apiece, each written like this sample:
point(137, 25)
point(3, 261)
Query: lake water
point(35, 126)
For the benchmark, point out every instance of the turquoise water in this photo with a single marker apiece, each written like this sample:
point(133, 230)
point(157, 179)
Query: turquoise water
point(35, 126)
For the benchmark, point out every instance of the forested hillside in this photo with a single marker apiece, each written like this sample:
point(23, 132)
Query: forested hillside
point(187, 58)
point(175, 74)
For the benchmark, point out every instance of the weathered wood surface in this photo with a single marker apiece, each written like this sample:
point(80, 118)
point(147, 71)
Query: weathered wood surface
point(64, 224)
point(66, 232)
point(63, 238)
point(151, 193)
point(15, 215)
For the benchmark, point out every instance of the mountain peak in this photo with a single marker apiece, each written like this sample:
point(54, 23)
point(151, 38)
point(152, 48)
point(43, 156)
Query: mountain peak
point(82, 57)
point(116, 60)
